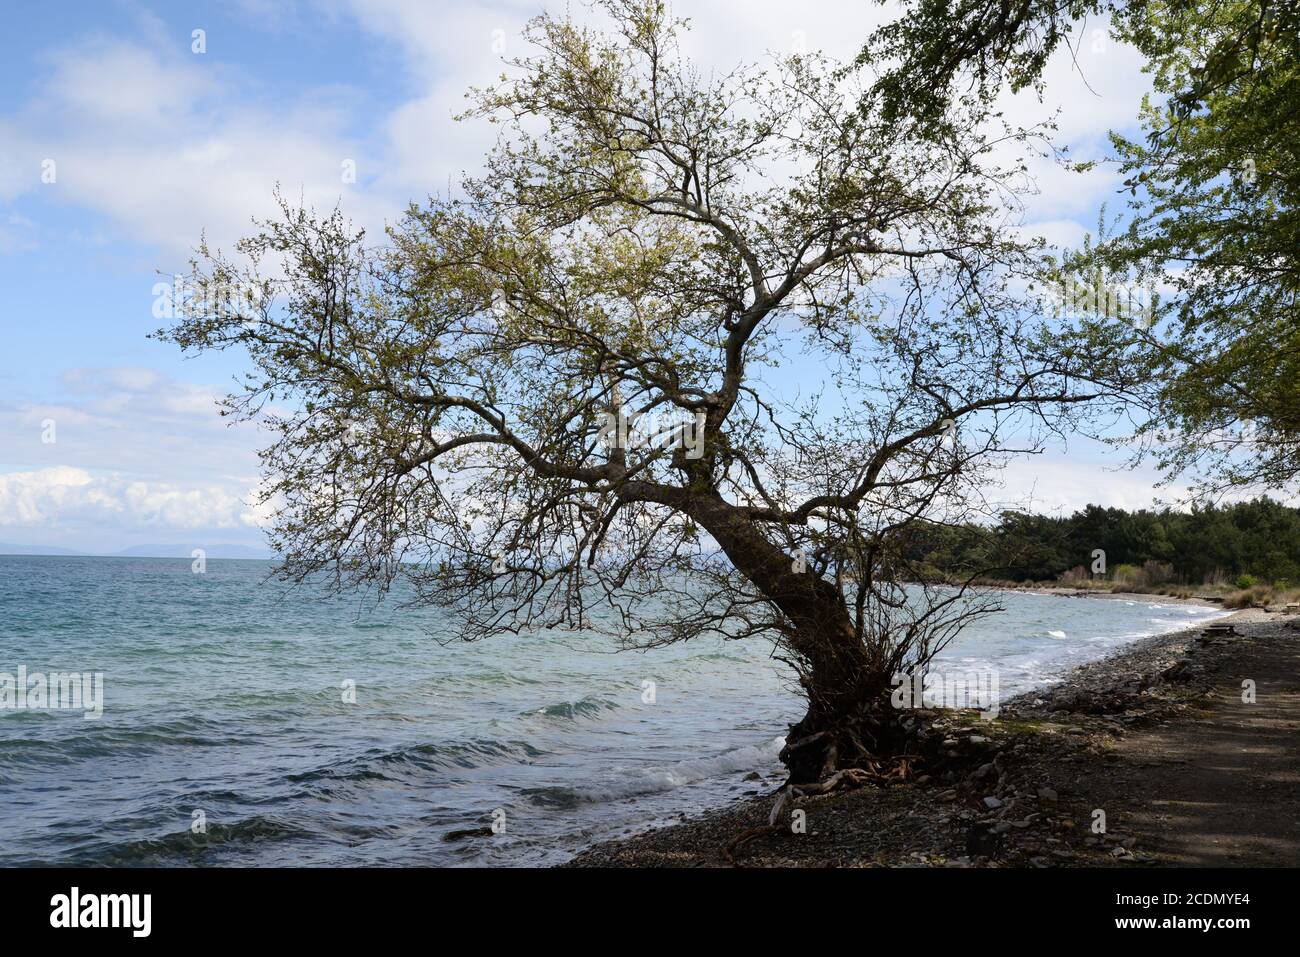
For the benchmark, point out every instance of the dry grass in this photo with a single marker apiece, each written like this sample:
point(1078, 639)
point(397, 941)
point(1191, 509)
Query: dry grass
point(1259, 596)
point(1226, 593)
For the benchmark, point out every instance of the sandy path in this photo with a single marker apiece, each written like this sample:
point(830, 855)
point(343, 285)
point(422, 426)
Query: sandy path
point(1221, 787)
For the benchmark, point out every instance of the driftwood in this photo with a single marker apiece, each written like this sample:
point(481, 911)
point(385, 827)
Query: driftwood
point(729, 851)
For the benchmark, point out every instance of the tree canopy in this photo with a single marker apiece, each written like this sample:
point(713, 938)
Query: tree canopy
point(1213, 188)
point(822, 311)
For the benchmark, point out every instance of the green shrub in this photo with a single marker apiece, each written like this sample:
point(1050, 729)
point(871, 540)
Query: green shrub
point(1125, 573)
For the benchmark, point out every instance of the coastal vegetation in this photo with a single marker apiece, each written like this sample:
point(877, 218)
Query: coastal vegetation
point(1242, 553)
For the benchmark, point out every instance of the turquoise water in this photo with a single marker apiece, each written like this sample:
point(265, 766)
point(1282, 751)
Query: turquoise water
point(224, 698)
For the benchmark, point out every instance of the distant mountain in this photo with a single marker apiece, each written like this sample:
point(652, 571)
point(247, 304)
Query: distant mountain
point(183, 551)
point(8, 548)
point(143, 551)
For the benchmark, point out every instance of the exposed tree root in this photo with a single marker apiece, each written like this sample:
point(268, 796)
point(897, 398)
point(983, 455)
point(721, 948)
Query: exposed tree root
point(843, 779)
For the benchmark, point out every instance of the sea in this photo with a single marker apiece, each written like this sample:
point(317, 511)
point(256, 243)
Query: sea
point(228, 720)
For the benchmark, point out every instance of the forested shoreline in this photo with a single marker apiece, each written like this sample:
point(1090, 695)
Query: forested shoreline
point(1239, 546)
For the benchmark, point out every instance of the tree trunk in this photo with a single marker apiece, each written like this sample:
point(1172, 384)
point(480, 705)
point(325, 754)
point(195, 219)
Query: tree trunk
point(849, 720)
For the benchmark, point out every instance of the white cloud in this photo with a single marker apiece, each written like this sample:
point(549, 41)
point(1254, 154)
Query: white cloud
point(169, 145)
point(135, 421)
point(62, 496)
point(143, 91)
point(134, 453)
point(170, 148)
point(1059, 481)
point(1061, 233)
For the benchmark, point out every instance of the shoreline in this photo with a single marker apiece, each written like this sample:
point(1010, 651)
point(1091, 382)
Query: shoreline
point(1140, 649)
point(1125, 734)
point(1065, 591)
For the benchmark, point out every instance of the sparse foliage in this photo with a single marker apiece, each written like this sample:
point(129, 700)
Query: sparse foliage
point(839, 297)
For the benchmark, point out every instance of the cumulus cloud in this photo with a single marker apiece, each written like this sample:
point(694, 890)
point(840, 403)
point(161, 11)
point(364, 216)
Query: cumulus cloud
point(133, 420)
point(61, 496)
point(169, 145)
point(125, 451)
point(170, 148)
point(1057, 487)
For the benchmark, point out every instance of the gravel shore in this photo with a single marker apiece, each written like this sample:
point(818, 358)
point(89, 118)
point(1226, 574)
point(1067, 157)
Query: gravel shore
point(1107, 768)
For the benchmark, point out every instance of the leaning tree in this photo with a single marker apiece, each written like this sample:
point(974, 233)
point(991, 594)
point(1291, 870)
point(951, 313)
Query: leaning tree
point(694, 354)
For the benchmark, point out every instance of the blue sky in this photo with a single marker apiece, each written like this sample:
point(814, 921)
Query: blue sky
point(154, 144)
